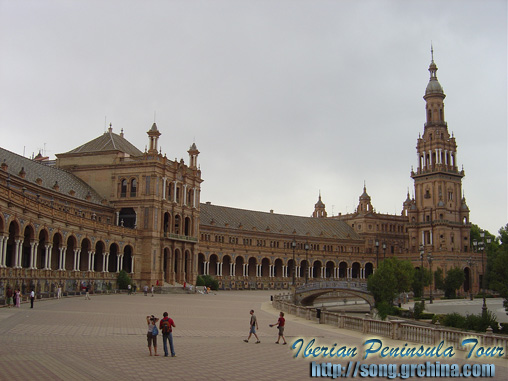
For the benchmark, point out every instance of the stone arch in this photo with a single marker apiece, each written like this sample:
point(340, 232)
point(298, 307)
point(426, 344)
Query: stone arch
point(252, 267)
point(169, 271)
point(277, 268)
point(133, 187)
point(355, 270)
point(178, 224)
point(84, 257)
point(316, 269)
point(329, 269)
point(343, 269)
point(201, 264)
point(304, 268)
point(28, 240)
point(187, 226)
point(55, 251)
point(214, 259)
point(12, 246)
point(68, 263)
point(113, 257)
point(128, 252)
point(166, 223)
point(100, 249)
point(369, 269)
point(123, 187)
point(41, 249)
point(226, 265)
point(291, 269)
point(176, 263)
point(239, 262)
point(127, 218)
point(265, 267)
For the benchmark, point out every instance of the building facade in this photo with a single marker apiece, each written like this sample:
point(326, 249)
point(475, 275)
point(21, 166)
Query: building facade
point(106, 206)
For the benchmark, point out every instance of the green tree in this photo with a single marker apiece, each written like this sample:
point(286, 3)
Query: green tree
point(391, 278)
point(499, 267)
point(439, 279)
point(421, 279)
point(453, 281)
point(123, 280)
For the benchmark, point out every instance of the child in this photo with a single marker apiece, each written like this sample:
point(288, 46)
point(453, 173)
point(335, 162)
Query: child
point(280, 325)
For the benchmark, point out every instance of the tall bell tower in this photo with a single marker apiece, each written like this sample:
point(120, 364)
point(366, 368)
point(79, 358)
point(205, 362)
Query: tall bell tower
point(439, 216)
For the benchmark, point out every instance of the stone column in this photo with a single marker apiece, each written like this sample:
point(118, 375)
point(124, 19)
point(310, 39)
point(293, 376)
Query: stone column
point(49, 249)
point(3, 250)
point(104, 262)
point(218, 269)
point(61, 258)
point(132, 264)
point(33, 254)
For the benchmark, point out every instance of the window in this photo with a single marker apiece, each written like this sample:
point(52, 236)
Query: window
point(134, 188)
point(123, 188)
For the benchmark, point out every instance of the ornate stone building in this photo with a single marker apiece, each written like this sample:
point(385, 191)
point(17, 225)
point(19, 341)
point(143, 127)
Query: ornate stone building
point(106, 206)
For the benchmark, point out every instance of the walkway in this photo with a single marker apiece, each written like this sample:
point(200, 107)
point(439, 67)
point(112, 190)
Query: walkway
point(105, 339)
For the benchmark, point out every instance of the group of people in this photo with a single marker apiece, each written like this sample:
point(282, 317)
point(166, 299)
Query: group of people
point(166, 326)
point(253, 325)
point(14, 297)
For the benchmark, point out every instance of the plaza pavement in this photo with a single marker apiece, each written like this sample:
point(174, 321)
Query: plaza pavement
point(105, 339)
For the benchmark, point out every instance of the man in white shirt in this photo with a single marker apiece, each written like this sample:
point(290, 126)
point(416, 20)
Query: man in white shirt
point(32, 298)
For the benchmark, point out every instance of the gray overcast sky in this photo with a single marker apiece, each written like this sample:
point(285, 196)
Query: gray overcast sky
point(282, 98)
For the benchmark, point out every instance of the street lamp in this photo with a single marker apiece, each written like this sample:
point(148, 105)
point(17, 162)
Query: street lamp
point(384, 251)
point(481, 246)
point(307, 261)
point(470, 263)
point(377, 254)
point(293, 245)
point(429, 258)
point(422, 251)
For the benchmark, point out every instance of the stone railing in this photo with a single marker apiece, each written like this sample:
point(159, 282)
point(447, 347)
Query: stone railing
point(394, 329)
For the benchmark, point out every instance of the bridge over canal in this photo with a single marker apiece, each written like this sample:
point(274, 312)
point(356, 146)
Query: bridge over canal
point(306, 294)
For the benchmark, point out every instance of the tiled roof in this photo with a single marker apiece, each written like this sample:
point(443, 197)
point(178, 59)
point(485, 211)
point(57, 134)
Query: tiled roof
point(109, 141)
point(49, 175)
point(249, 220)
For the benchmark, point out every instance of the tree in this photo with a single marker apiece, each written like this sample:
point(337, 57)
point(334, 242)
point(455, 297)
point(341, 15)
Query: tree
point(421, 279)
point(439, 279)
point(123, 280)
point(453, 281)
point(391, 278)
point(499, 272)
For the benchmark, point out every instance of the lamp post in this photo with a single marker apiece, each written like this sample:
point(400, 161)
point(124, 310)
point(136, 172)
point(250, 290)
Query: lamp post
point(481, 246)
point(429, 258)
point(470, 263)
point(377, 254)
point(307, 261)
point(384, 251)
point(421, 268)
point(293, 245)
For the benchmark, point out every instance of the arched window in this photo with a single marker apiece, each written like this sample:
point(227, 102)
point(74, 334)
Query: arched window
point(123, 188)
point(134, 188)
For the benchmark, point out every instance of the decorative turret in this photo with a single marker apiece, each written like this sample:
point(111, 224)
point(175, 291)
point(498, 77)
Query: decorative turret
point(364, 205)
point(193, 156)
point(153, 137)
point(319, 208)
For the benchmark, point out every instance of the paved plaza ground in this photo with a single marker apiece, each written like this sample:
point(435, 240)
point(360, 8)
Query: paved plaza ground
point(105, 339)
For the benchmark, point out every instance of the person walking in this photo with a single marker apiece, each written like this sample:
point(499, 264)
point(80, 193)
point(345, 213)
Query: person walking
point(280, 325)
point(8, 295)
point(59, 292)
point(253, 327)
point(87, 292)
point(151, 335)
point(17, 298)
point(32, 298)
point(145, 289)
point(166, 327)
point(129, 287)
point(152, 290)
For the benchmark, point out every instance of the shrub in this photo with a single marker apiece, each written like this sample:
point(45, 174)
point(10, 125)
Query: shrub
point(454, 320)
point(123, 280)
point(418, 310)
point(208, 281)
point(384, 309)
